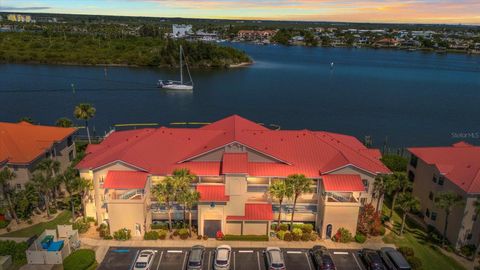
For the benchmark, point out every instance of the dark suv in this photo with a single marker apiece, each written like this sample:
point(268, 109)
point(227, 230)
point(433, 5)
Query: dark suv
point(321, 258)
point(372, 259)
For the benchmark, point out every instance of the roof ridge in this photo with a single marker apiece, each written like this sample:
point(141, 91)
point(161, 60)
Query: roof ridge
point(477, 175)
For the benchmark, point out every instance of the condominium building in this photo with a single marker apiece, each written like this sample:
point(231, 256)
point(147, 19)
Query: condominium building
point(452, 168)
point(23, 146)
point(234, 160)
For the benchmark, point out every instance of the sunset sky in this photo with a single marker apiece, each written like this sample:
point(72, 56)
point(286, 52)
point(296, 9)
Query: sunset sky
point(408, 11)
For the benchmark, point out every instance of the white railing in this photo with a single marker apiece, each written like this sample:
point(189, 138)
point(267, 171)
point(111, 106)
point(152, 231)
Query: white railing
point(130, 194)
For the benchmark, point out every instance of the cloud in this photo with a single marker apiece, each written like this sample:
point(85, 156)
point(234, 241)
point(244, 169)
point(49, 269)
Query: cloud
point(10, 8)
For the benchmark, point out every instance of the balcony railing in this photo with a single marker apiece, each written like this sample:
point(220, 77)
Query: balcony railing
point(134, 194)
point(339, 197)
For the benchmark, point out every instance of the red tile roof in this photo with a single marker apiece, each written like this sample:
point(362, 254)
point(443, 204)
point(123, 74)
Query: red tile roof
point(125, 180)
point(159, 151)
point(212, 193)
point(255, 211)
point(342, 183)
point(235, 163)
point(459, 163)
point(23, 142)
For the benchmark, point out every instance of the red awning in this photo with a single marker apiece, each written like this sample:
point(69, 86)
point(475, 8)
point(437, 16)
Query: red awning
point(212, 193)
point(342, 183)
point(255, 211)
point(235, 163)
point(125, 180)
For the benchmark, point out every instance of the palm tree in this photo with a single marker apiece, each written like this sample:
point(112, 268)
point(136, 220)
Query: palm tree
point(6, 175)
point(407, 203)
point(191, 198)
point(446, 201)
point(85, 111)
point(398, 183)
point(164, 192)
point(50, 168)
point(74, 185)
point(298, 184)
point(380, 188)
point(183, 178)
point(279, 190)
point(43, 186)
point(64, 122)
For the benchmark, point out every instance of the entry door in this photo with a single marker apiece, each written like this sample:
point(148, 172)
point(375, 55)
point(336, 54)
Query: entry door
point(329, 231)
point(211, 227)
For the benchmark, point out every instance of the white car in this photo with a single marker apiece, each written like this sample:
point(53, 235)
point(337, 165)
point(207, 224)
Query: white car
point(144, 260)
point(223, 254)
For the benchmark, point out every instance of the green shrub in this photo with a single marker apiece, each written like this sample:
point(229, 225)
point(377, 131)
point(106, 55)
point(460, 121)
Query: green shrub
point(108, 237)
point(159, 226)
point(230, 237)
point(82, 259)
point(406, 251)
point(30, 222)
point(343, 236)
point(103, 230)
point(288, 237)
point(360, 238)
point(468, 250)
point(53, 211)
point(205, 237)
point(305, 237)
point(297, 231)
point(199, 237)
point(183, 233)
point(81, 225)
point(313, 236)
point(16, 250)
point(281, 235)
point(162, 234)
point(307, 228)
point(283, 227)
point(152, 235)
point(122, 234)
point(3, 224)
point(90, 219)
point(415, 263)
point(175, 233)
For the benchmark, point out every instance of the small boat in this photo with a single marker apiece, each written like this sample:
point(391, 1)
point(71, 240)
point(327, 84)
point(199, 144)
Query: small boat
point(332, 65)
point(178, 85)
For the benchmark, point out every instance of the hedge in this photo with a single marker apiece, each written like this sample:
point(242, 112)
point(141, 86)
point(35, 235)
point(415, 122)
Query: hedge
point(82, 259)
point(16, 250)
point(231, 237)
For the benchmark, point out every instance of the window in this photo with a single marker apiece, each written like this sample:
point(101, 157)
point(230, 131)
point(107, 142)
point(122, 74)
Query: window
point(251, 188)
point(430, 196)
point(70, 155)
point(433, 216)
point(434, 179)
point(441, 180)
point(427, 213)
point(414, 161)
point(365, 184)
point(411, 176)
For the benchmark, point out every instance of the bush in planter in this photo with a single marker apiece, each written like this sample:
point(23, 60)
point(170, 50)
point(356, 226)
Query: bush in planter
point(199, 237)
point(162, 234)
point(219, 235)
point(159, 226)
point(305, 237)
point(342, 236)
point(288, 237)
point(122, 234)
point(103, 230)
point(81, 225)
point(360, 238)
point(283, 227)
point(468, 250)
point(313, 236)
point(281, 235)
point(297, 231)
point(175, 233)
point(307, 228)
point(205, 237)
point(152, 235)
point(184, 234)
point(108, 237)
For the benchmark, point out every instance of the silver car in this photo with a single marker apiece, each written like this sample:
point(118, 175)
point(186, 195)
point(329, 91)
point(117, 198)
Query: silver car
point(274, 257)
point(223, 254)
point(144, 260)
point(195, 258)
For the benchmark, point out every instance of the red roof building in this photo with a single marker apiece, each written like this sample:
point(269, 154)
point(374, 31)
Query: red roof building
point(125, 180)
point(255, 211)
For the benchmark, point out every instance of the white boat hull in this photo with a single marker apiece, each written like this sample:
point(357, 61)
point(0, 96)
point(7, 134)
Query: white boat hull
point(178, 87)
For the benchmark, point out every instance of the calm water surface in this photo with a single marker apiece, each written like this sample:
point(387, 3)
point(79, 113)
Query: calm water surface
point(413, 98)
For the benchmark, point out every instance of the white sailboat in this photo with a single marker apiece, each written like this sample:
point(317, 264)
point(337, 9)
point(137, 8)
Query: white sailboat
point(178, 85)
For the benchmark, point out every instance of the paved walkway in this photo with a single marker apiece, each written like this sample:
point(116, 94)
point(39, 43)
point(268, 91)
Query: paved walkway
point(103, 245)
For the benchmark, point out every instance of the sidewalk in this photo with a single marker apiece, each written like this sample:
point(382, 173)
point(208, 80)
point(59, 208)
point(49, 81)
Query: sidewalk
point(103, 245)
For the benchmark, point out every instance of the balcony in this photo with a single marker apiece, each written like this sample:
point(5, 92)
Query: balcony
point(339, 197)
point(131, 194)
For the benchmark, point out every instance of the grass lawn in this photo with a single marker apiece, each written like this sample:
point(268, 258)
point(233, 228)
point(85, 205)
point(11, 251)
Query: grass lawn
point(37, 229)
point(416, 238)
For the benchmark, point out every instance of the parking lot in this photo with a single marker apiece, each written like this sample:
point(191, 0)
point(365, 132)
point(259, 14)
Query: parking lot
point(242, 259)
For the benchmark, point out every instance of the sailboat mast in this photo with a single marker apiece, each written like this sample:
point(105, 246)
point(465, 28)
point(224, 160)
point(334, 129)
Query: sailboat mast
point(181, 65)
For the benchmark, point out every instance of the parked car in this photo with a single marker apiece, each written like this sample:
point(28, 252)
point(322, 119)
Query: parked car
point(274, 257)
point(372, 259)
point(223, 254)
point(321, 258)
point(144, 260)
point(195, 258)
point(393, 259)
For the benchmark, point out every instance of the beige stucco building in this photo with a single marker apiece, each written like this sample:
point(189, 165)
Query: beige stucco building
point(453, 168)
point(23, 146)
point(235, 161)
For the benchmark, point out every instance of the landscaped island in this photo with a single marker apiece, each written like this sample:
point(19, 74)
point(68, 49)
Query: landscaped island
point(75, 49)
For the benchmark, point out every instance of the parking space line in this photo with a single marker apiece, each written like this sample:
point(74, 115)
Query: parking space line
point(258, 260)
point(209, 260)
point(134, 260)
point(160, 260)
point(245, 251)
point(358, 264)
point(308, 261)
point(184, 260)
point(234, 260)
point(294, 252)
point(174, 251)
point(340, 253)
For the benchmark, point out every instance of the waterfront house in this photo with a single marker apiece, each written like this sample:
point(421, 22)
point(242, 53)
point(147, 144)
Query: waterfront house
point(250, 35)
point(234, 160)
point(23, 146)
point(452, 168)
point(181, 30)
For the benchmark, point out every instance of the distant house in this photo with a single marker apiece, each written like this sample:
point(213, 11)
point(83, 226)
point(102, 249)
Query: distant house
point(386, 42)
point(181, 30)
point(23, 146)
point(19, 18)
point(453, 168)
point(256, 34)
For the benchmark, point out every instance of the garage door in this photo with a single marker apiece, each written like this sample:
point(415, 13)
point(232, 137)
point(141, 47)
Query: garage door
point(211, 227)
point(255, 228)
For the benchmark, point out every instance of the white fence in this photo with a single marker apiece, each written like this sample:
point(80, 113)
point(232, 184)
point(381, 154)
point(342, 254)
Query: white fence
point(36, 254)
